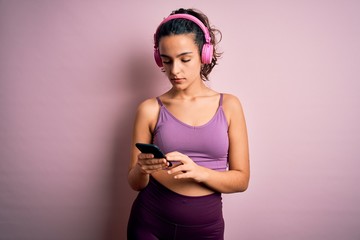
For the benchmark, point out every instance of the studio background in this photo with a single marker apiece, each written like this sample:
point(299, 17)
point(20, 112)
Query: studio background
point(73, 72)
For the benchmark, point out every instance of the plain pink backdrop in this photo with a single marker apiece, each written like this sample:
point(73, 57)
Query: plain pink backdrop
point(73, 72)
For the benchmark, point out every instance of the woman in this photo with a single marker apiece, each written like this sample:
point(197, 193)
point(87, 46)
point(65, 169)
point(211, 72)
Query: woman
point(202, 132)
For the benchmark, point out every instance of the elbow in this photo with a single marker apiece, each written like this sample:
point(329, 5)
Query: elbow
point(136, 182)
point(243, 187)
point(136, 186)
point(238, 187)
point(242, 182)
point(133, 185)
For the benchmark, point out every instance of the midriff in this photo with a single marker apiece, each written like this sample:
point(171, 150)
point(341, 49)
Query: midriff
point(187, 187)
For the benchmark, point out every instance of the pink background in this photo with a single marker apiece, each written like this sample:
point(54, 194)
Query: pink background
point(72, 73)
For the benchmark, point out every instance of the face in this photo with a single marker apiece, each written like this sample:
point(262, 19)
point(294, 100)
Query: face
point(181, 59)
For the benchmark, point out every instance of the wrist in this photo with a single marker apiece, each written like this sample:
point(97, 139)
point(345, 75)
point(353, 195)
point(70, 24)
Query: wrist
point(204, 176)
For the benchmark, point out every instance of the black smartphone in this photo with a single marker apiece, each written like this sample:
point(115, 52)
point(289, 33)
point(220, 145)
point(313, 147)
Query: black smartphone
point(153, 149)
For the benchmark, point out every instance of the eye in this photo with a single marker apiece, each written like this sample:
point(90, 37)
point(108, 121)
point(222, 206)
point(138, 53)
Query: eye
point(166, 61)
point(185, 60)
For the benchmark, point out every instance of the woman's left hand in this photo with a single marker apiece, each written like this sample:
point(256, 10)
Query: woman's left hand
point(187, 169)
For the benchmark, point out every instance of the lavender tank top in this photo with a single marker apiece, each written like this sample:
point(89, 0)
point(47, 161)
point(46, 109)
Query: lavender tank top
point(206, 145)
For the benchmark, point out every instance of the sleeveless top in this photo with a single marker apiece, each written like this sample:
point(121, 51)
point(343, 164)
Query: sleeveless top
point(207, 145)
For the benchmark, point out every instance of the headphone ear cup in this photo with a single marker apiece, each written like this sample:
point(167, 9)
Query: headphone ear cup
point(207, 53)
point(157, 57)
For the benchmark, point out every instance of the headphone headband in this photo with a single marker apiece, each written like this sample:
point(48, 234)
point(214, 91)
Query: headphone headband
point(188, 17)
point(207, 48)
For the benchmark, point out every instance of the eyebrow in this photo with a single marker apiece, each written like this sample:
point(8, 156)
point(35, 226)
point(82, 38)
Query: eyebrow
point(179, 55)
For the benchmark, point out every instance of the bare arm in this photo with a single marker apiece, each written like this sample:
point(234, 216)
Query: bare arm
point(236, 179)
point(141, 165)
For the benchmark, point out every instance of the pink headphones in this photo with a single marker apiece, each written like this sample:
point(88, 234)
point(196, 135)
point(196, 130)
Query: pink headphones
point(207, 49)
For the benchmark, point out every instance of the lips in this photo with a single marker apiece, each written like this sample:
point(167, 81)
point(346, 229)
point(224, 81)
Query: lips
point(177, 80)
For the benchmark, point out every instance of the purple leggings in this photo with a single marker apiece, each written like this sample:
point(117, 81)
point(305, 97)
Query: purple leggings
point(161, 214)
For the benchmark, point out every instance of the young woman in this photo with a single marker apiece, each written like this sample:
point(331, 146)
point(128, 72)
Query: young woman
point(202, 132)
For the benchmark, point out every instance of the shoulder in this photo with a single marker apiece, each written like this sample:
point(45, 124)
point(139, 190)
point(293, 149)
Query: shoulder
point(148, 105)
point(231, 102)
point(232, 108)
point(148, 109)
point(147, 113)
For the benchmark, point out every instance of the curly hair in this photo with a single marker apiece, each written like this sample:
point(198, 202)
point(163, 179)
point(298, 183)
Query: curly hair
point(185, 26)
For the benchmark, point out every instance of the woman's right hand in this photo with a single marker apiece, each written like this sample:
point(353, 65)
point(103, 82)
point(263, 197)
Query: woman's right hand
point(148, 164)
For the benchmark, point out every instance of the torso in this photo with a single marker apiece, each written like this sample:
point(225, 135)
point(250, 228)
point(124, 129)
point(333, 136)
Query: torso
point(197, 113)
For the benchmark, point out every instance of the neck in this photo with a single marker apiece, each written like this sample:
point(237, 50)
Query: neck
point(191, 92)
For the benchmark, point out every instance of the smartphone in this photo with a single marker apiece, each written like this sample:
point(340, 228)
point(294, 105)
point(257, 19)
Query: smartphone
point(153, 149)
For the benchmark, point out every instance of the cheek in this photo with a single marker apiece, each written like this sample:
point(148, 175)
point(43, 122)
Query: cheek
point(166, 70)
point(195, 67)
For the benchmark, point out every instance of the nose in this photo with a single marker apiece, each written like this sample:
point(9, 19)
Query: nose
point(175, 68)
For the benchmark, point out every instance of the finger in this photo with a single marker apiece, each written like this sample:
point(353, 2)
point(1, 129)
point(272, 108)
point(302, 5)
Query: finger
point(177, 158)
point(145, 156)
point(182, 175)
point(153, 163)
point(177, 169)
point(174, 155)
point(155, 166)
point(169, 164)
point(152, 168)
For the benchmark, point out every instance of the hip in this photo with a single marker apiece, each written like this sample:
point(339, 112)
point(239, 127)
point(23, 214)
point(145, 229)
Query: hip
point(177, 208)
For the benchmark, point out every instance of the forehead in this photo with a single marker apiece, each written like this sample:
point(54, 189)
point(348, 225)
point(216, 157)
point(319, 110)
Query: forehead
point(177, 43)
